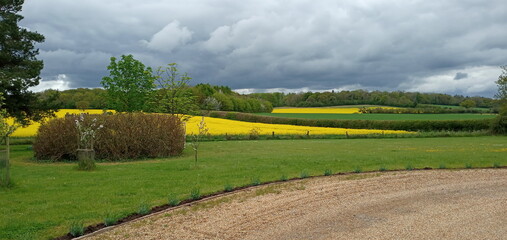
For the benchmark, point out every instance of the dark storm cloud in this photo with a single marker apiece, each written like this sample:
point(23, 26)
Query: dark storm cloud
point(385, 45)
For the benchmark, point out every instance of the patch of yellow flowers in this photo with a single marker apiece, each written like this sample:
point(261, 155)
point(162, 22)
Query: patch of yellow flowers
point(218, 126)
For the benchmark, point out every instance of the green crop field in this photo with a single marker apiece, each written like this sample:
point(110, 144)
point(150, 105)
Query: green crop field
point(454, 116)
point(48, 197)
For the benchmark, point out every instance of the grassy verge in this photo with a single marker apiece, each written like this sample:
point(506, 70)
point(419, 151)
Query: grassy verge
point(379, 116)
point(49, 198)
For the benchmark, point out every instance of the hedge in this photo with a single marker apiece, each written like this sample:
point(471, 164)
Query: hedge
point(407, 125)
point(124, 136)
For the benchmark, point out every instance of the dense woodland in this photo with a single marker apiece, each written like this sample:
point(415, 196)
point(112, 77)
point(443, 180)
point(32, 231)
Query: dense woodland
point(397, 99)
point(208, 97)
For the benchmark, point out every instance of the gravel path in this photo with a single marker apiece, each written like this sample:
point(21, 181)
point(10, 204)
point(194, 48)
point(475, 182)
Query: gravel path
point(464, 204)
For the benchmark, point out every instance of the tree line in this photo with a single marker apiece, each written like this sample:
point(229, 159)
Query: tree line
point(358, 97)
point(202, 97)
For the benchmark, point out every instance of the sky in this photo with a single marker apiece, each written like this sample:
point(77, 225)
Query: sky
point(452, 46)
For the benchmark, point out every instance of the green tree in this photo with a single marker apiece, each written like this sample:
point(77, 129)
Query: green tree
point(82, 105)
point(19, 68)
point(174, 96)
point(468, 103)
point(129, 86)
point(502, 85)
point(499, 124)
point(5, 131)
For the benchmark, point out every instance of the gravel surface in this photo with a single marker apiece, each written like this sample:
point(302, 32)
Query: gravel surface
point(436, 204)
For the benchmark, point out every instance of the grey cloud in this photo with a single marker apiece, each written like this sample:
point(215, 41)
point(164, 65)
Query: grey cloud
point(460, 75)
point(265, 44)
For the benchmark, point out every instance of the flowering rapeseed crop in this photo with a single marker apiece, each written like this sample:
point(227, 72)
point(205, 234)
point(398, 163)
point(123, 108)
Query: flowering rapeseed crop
point(218, 126)
point(32, 129)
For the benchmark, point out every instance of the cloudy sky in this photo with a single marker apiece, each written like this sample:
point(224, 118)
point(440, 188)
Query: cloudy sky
point(452, 46)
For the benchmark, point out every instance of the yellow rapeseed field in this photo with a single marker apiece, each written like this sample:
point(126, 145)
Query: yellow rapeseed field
point(317, 110)
point(32, 129)
point(219, 126)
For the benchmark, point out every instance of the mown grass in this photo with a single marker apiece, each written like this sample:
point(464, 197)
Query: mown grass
point(455, 116)
point(49, 198)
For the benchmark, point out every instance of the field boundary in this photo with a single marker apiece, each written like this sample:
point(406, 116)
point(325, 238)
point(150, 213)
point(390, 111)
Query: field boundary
point(95, 229)
point(407, 125)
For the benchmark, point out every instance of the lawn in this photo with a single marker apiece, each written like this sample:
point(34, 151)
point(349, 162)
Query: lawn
point(454, 116)
point(49, 197)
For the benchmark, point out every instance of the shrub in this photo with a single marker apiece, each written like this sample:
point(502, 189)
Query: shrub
point(173, 200)
point(228, 187)
point(409, 167)
point(143, 209)
point(328, 172)
point(195, 194)
point(110, 219)
point(284, 178)
point(254, 133)
point(124, 136)
point(255, 181)
point(499, 125)
point(76, 229)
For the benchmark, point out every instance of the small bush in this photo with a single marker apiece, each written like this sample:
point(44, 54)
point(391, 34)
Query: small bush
point(255, 182)
point(328, 172)
point(143, 209)
point(304, 174)
point(254, 133)
point(228, 187)
point(173, 200)
point(409, 167)
point(110, 219)
point(124, 136)
point(499, 125)
point(195, 194)
point(468, 165)
point(496, 165)
point(442, 166)
point(358, 170)
point(284, 178)
point(382, 168)
point(76, 229)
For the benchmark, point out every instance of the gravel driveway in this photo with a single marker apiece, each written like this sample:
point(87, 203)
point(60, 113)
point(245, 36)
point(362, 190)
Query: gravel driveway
point(435, 204)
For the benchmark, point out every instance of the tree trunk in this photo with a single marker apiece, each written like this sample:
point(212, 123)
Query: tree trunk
point(86, 159)
point(195, 157)
point(7, 163)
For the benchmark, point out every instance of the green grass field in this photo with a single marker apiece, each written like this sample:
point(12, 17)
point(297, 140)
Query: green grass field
point(49, 197)
point(381, 116)
point(455, 107)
